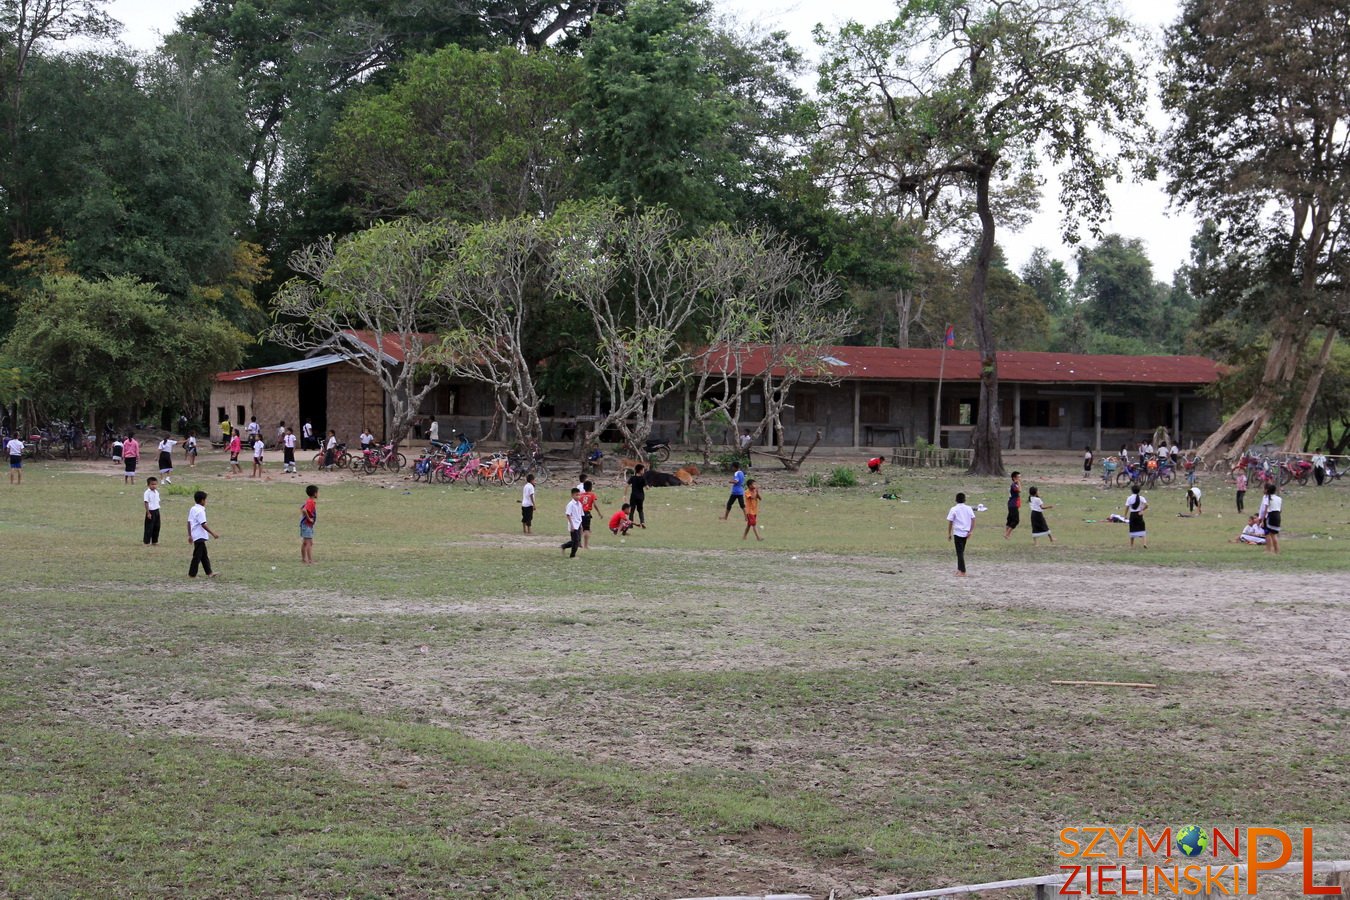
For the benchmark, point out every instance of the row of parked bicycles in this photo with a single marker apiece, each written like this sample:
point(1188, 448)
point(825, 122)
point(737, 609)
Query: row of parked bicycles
point(67, 440)
point(442, 464)
point(1149, 472)
point(1281, 469)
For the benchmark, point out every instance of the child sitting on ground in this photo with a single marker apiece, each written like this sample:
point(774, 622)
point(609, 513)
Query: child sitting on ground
point(1252, 533)
point(619, 523)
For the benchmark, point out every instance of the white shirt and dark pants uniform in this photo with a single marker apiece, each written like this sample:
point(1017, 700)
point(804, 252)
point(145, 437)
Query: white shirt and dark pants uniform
point(197, 531)
point(151, 498)
point(962, 518)
point(575, 512)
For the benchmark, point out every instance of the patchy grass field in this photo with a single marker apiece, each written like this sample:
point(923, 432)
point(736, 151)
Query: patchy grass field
point(444, 707)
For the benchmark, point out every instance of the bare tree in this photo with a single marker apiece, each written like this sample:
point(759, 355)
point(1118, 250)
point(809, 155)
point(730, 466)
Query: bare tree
point(643, 288)
point(489, 287)
point(384, 281)
point(772, 333)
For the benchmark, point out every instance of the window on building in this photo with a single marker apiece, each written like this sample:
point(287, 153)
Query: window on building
point(239, 415)
point(875, 409)
point(804, 406)
point(1039, 414)
point(966, 411)
point(220, 414)
point(1117, 414)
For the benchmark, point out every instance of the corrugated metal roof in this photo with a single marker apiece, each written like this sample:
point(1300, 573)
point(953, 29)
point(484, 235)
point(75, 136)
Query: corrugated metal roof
point(394, 346)
point(892, 364)
point(299, 365)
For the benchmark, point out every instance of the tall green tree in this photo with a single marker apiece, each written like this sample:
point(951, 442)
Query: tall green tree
point(1048, 279)
point(115, 346)
point(463, 134)
point(957, 96)
point(678, 113)
point(135, 164)
point(298, 61)
point(27, 29)
point(1115, 286)
point(1261, 107)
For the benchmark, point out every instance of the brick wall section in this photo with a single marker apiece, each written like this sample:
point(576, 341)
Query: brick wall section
point(355, 402)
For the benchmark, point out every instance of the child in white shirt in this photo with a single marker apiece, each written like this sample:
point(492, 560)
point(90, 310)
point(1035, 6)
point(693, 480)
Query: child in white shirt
point(257, 458)
point(150, 500)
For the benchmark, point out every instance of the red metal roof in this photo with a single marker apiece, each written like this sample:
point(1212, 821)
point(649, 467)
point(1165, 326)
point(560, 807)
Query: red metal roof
point(393, 346)
point(892, 364)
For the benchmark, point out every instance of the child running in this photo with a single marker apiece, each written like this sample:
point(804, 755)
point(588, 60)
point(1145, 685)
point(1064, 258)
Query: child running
point(573, 513)
point(751, 510)
point(309, 514)
point(236, 445)
point(588, 502)
point(737, 491)
point(166, 459)
point(1014, 505)
point(960, 525)
point(1039, 527)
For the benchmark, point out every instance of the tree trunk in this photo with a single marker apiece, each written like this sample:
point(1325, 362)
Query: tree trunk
point(1241, 429)
point(1293, 442)
point(988, 456)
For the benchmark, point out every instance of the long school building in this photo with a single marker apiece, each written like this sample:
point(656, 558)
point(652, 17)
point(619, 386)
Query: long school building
point(883, 396)
point(876, 397)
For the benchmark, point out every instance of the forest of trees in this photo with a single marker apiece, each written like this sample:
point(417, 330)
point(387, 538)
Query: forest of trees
point(179, 192)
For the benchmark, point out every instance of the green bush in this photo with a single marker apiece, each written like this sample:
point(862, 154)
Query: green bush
point(842, 476)
point(815, 480)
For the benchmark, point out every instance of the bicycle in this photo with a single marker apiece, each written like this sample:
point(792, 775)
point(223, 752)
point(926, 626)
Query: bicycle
point(341, 458)
point(373, 459)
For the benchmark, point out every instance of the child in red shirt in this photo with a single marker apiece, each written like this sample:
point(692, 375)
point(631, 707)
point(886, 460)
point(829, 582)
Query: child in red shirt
point(619, 523)
point(587, 499)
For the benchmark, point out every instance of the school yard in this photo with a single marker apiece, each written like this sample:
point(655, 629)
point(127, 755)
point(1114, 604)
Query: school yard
point(444, 707)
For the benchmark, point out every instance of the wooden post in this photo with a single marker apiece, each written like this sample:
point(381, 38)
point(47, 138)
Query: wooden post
point(1097, 417)
point(857, 413)
point(1176, 416)
point(684, 433)
point(1017, 416)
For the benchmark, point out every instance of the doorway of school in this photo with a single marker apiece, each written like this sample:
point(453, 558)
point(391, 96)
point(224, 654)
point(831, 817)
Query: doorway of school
point(313, 398)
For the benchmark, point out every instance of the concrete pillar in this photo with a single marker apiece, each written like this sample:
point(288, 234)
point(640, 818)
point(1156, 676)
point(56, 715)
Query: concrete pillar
point(857, 414)
point(1017, 416)
point(1176, 415)
point(1097, 416)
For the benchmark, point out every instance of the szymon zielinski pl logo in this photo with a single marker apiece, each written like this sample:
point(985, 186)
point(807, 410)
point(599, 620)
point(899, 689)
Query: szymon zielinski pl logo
point(1106, 861)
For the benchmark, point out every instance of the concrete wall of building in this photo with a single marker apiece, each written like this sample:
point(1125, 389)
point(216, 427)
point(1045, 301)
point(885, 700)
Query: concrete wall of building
point(1047, 416)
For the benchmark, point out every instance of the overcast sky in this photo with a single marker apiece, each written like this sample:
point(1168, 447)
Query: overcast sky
point(1139, 210)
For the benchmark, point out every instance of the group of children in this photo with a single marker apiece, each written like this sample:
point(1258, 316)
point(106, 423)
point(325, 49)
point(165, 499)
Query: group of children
point(1263, 527)
point(200, 533)
point(583, 504)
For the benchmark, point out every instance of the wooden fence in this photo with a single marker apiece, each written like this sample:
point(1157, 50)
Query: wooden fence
point(1047, 886)
point(931, 457)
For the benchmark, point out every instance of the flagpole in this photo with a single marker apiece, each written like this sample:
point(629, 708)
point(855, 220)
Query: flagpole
point(937, 402)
